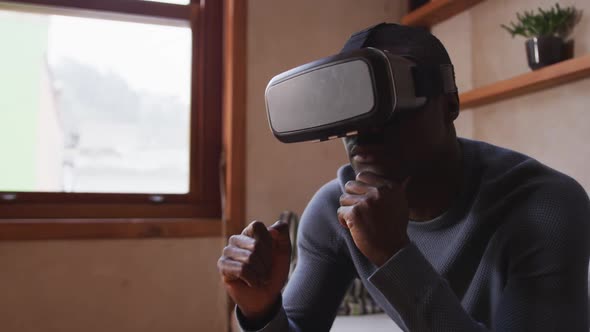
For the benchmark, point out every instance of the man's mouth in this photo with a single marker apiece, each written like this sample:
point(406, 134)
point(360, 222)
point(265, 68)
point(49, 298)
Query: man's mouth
point(367, 154)
point(364, 158)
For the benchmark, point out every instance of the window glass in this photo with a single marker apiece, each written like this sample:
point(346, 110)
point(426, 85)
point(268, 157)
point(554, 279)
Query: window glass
point(90, 105)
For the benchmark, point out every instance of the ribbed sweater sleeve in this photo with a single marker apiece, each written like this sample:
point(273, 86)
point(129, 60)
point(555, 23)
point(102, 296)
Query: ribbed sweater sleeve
point(421, 297)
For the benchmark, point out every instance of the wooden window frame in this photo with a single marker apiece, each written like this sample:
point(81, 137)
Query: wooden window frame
point(39, 215)
point(234, 122)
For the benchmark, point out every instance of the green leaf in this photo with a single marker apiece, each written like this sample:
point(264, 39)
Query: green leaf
point(555, 21)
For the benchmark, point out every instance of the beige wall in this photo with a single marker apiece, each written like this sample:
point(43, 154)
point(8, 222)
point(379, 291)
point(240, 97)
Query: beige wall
point(552, 125)
point(114, 285)
point(281, 35)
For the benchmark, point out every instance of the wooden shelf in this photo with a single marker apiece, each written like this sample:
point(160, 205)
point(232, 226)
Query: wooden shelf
point(437, 11)
point(560, 73)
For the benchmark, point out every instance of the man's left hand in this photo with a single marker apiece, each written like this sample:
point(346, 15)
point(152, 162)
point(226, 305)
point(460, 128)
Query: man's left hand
point(375, 210)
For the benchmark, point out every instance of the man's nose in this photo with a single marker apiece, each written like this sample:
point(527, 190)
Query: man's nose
point(369, 137)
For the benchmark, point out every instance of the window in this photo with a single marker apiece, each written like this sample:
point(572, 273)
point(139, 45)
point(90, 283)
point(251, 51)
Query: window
point(110, 109)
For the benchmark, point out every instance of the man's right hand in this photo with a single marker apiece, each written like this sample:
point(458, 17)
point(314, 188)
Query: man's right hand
point(255, 266)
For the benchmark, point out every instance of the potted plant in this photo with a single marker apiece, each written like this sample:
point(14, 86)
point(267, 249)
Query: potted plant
point(547, 31)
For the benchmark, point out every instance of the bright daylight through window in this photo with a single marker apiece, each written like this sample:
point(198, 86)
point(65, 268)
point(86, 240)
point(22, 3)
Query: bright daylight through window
point(93, 106)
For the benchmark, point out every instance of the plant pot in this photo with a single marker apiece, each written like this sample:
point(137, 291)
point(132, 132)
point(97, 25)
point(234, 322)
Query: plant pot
point(544, 51)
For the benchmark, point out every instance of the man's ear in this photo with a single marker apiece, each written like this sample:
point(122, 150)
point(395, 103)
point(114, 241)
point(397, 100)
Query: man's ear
point(453, 106)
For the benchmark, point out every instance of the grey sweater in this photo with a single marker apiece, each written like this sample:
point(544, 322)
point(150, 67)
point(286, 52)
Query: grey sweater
point(511, 254)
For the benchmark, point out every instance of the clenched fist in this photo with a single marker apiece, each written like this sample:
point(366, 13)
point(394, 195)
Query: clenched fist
point(375, 210)
point(255, 266)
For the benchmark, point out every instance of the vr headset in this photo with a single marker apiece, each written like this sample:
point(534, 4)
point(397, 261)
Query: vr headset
point(343, 94)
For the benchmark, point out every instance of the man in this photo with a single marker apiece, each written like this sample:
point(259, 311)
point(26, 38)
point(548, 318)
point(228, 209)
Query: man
point(447, 234)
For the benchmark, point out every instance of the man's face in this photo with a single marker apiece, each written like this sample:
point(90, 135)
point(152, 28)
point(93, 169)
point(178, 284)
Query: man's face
point(410, 144)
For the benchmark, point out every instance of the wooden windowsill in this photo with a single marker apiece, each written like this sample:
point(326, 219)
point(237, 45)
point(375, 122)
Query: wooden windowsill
point(550, 76)
point(48, 229)
point(437, 11)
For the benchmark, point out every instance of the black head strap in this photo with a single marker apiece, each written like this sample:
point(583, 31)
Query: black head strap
point(429, 80)
point(359, 39)
point(433, 80)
